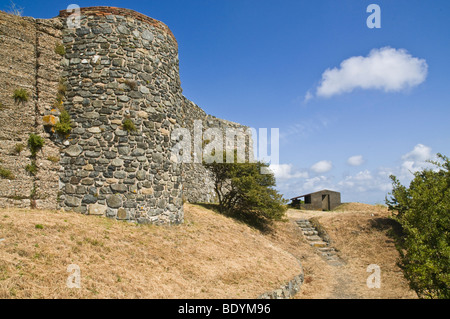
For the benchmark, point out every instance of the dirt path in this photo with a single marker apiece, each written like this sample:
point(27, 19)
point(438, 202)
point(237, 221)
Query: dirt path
point(340, 280)
point(358, 244)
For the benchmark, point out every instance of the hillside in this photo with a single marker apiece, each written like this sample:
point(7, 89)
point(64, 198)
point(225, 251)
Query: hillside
point(210, 256)
point(360, 234)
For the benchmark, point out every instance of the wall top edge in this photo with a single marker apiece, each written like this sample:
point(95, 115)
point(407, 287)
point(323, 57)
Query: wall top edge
point(102, 11)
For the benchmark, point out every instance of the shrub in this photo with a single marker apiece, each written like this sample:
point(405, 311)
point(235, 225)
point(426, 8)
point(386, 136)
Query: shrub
point(6, 174)
point(244, 192)
point(39, 226)
point(60, 49)
point(35, 143)
point(2, 106)
point(129, 126)
point(64, 127)
point(21, 96)
point(422, 211)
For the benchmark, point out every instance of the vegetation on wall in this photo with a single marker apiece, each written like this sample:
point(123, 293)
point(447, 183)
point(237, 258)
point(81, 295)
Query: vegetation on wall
point(423, 212)
point(60, 49)
point(64, 126)
point(21, 96)
point(128, 125)
point(6, 174)
point(32, 168)
point(18, 148)
point(35, 143)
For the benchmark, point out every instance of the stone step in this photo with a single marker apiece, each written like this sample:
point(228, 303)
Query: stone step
point(319, 244)
point(310, 233)
point(313, 238)
point(327, 249)
point(330, 254)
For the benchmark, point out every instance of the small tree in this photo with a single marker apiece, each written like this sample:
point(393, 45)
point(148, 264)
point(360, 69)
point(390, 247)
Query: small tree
point(423, 211)
point(242, 189)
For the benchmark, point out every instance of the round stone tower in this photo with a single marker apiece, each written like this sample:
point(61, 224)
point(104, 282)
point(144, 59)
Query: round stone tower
point(124, 98)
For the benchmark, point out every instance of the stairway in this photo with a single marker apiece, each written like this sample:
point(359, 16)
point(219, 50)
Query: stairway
point(322, 247)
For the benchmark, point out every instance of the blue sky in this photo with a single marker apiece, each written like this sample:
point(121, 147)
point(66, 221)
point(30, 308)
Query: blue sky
point(254, 62)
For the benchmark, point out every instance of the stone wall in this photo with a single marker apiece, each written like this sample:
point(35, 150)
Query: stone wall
point(27, 61)
point(119, 66)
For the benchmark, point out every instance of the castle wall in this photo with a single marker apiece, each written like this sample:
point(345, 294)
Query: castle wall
point(120, 68)
point(118, 65)
point(27, 61)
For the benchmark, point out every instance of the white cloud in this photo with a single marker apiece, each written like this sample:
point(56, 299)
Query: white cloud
point(416, 160)
point(356, 160)
point(420, 153)
point(285, 171)
point(385, 69)
point(316, 184)
point(308, 97)
point(322, 167)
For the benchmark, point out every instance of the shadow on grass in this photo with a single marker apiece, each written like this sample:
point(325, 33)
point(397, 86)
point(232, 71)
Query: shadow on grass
point(250, 219)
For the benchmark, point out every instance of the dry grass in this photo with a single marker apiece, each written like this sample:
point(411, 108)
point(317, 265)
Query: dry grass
point(360, 234)
point(210, 256)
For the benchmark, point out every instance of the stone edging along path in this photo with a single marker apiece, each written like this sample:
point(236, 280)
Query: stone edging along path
point(287, 291)
point(318, 240)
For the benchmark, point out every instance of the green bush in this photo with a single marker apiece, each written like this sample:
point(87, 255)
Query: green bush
point(6, 174)
point(21, 95)
point(423, 212)
point(244, 192)
point(35, 143)
point(129, 126)
point(64, 127)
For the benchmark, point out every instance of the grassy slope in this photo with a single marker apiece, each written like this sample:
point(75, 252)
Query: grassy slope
point(210, 256)
point(360, 233)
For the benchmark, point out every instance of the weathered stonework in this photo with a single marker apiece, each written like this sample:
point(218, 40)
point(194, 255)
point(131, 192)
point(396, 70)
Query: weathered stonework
point(118, 65)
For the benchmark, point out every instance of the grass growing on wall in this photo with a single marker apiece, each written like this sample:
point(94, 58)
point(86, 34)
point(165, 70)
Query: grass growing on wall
point(35, 143)
point(129, 126)
point(21, 96)
point(6, 174)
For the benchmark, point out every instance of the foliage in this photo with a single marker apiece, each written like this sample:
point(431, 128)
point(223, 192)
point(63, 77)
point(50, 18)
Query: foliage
point(129, 126)
point(64, 126)
point(243, 191)
point(423, 212)
point(21, 95)
point(32, 168)
point(60, 49)
point(18, 148)
point(6, 174)
point(2, 106)
point(35, 143)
